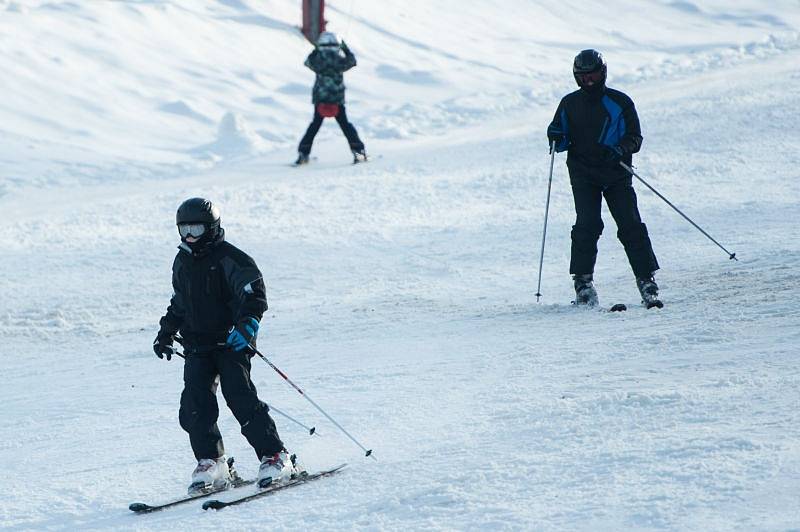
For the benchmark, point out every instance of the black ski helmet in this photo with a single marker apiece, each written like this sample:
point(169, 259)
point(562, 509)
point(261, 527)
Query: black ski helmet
point(197, 211)
point(587, 62)
point(200, 211)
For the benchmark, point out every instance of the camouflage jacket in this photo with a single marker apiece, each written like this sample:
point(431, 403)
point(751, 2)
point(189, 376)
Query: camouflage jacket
point(329, 66)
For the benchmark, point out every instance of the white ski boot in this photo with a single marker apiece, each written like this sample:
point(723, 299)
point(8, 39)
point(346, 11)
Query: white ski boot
point(276, 468)
point(211, 474)
point(359, 156)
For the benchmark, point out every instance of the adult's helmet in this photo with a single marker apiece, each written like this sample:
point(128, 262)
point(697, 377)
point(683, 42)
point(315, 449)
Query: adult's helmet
point(198, 217)
point(327, 39)
point(589, 67)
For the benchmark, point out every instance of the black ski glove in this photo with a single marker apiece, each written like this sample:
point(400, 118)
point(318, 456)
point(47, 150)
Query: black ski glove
point(162, 345)
point(554, 135)
point(613, 154)
point(344, 48)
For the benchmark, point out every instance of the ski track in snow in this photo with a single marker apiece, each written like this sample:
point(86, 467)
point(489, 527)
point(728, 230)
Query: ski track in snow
point(401, 291)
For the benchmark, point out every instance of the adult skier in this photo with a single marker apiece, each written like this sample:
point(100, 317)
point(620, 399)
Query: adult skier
point(218, 300)
point(599, 127)
point(328, 94)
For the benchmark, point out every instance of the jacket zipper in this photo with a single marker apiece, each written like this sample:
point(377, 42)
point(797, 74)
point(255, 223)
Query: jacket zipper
point(602, 131)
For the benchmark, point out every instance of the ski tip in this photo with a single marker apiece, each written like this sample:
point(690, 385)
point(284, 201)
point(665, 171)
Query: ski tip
point(214, 505)
point(138, 507)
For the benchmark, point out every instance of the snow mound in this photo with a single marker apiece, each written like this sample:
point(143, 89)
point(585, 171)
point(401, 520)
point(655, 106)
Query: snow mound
point(181, 108)
point(235, 139)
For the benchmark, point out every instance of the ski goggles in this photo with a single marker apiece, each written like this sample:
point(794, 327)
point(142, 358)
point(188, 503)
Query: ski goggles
point(194, 230)
point(593, 77)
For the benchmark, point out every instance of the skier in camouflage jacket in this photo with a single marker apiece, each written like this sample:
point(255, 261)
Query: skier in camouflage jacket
point(328, 94)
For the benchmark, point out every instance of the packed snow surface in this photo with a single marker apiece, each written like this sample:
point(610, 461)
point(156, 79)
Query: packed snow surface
point(402, 291)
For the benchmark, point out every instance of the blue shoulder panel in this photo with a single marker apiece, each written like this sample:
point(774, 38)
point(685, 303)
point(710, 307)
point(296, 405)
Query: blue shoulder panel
point(616, 125)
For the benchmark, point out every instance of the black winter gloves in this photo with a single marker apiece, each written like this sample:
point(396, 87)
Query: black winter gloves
point(613, 155)
point(162, 345)
point(554, 134)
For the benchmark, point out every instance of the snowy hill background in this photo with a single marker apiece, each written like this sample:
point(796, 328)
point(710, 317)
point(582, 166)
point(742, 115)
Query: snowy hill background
point(401, 291)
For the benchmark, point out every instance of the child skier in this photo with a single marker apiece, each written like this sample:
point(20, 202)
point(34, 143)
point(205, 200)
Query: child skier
point(328, 94)
point(218, 300)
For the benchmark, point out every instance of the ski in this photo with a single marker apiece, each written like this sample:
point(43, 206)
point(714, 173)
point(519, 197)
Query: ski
point(622, 307)
point(617, 307)
point(143, 508)
point(272, 488)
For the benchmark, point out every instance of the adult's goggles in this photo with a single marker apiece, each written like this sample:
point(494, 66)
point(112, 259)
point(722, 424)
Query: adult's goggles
point(194, 230)
point(593, 77)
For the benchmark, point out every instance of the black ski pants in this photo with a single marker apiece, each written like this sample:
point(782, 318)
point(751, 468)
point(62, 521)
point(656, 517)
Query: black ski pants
point(621, 200)
point(199, 410)
point(347, 128)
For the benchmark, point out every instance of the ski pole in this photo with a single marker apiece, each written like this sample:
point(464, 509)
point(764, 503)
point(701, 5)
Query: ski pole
point(301, 392)
point(311, 431)
point(546, 211)
point(731, 256)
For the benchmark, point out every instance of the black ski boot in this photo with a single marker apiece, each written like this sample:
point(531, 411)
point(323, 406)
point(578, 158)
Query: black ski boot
point(302, 158)
point(649, 290)
point(585, 294)
point(359, 156)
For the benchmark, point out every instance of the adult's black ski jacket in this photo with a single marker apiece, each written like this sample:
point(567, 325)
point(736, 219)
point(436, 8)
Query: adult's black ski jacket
point(590, 121)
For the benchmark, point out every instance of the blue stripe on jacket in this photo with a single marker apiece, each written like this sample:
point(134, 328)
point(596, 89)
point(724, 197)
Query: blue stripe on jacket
point(616, 127)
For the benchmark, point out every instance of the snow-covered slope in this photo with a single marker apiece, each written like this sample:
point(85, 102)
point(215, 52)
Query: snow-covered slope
point(401, 291)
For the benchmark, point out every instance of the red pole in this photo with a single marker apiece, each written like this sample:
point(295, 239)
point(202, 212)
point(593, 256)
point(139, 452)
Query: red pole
point(320, 9)
point(313, 19)
point(307, 19)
